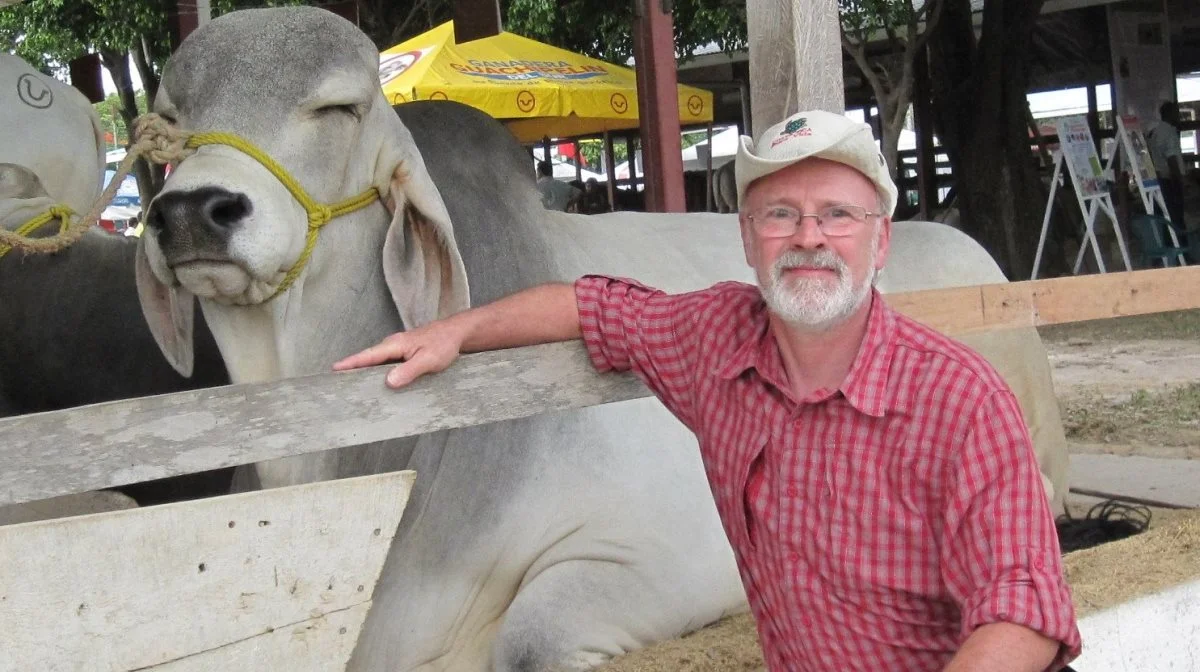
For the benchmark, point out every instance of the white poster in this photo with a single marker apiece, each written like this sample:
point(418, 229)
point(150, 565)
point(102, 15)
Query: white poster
point(1141, 165)
point(1075, 140)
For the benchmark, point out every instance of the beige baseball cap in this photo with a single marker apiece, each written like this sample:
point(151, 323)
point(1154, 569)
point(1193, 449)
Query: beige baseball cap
point(814, 134)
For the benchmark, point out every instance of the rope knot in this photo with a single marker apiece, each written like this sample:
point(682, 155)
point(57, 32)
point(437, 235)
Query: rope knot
point(319, 215)
point(159, 141)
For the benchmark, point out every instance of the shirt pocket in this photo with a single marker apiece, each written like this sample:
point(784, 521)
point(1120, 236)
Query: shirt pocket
point(874, 539)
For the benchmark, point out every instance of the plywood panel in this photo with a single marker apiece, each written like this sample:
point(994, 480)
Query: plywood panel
point(137, 588)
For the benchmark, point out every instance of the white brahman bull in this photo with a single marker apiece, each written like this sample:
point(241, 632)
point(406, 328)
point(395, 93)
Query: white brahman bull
point(71, 329)
point(553, 542)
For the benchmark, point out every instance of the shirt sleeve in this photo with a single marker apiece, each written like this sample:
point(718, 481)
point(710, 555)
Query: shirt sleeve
point(628, 326)
point(1001, 559)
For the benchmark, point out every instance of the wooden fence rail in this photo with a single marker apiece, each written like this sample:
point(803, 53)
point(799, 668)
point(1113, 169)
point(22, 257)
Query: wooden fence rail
point(111, 444)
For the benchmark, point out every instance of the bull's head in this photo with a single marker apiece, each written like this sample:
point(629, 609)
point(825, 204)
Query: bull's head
point(301, 86)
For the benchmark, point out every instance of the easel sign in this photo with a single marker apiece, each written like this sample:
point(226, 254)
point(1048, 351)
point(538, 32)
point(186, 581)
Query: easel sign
point(1132, 141)
point(1076, 149)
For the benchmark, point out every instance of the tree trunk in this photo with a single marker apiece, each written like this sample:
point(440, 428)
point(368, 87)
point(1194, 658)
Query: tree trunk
point(117, 62)
point(979, 101)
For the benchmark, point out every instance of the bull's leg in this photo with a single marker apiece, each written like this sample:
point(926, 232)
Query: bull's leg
point(573, 616)
point(579, 614)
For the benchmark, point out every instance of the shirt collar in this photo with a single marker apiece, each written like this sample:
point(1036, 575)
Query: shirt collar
point(865, 386)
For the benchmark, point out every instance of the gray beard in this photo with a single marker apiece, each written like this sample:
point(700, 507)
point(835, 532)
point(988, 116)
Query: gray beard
point(814, 304)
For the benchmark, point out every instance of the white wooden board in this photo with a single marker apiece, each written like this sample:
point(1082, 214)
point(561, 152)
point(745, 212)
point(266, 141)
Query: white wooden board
point(111, 444)
point(220, 577)
point(1155, 632)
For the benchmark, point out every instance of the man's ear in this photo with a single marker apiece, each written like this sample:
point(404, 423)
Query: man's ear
point(884, 238)
point(168, 312)
point(749, 241)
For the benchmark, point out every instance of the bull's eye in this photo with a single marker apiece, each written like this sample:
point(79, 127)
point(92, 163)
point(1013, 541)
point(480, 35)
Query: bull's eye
point(345, 108)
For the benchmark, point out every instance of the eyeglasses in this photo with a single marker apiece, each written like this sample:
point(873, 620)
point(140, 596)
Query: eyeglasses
point(782, 221)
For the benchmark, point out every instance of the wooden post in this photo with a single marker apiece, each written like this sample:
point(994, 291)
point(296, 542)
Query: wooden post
point(182, 19)
point(658, 105)
point(1093, 117)
point(708, 185)
point(578, 160)
point(923, 120)
point(785, 36)
point(610, 167)
point(476, 19)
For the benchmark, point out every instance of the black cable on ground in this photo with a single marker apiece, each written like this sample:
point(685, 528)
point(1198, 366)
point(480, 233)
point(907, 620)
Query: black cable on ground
point(1107, 521)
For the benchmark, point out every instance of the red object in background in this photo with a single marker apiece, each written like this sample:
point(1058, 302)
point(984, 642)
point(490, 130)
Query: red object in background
point(567, 150)
point(108, 225)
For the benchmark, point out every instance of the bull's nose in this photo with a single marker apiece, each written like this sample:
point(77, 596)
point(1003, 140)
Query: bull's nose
point(207, 211)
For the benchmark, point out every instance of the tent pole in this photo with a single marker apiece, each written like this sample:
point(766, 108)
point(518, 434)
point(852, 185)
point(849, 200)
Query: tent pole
point(578, 161)
point(610, 166)
point(708, 187)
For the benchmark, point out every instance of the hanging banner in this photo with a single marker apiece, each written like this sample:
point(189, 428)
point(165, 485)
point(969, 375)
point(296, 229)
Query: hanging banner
point(1075, 140)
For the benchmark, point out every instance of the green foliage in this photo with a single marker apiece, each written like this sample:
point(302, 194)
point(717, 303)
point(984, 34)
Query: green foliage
point(593, 153)
point(110, 117)
point(49, 33)
point(863, 17)
point(603, 29)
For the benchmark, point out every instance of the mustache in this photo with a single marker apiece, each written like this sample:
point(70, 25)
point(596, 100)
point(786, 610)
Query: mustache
point(825, 259)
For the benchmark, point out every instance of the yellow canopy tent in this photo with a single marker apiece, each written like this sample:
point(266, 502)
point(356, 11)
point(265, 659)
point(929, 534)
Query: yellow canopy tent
point(536, 89)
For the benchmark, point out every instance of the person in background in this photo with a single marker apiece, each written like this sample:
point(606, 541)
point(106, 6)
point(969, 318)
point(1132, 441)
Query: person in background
point(1162, 139)
point(556, 195)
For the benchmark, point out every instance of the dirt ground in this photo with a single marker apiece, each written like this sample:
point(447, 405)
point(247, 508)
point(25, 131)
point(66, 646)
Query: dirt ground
point(1129, 386)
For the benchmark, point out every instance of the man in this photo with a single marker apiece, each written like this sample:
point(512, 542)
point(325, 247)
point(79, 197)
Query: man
point(556, 195)
point(1162, 139)
point(875, 479)
point(594, 200)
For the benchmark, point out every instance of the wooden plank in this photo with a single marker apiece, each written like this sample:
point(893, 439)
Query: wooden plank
point(143, 587)
point(966, 310)
point(110, 444)
point(106, 445)
point(316, 645)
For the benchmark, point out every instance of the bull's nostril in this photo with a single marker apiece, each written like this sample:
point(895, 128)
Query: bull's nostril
point(226, 210)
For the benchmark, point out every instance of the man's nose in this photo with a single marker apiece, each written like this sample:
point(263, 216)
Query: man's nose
point(808, 234)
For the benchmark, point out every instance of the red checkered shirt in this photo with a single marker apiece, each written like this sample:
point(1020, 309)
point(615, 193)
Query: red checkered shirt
point(875, 526)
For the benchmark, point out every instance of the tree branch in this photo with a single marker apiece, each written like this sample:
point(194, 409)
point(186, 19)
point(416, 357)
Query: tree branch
point(933, 14)
point(859, 53)
point(402, 28)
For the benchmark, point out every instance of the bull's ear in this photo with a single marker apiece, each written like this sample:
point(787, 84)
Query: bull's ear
point(168, 312)
point(421, 262)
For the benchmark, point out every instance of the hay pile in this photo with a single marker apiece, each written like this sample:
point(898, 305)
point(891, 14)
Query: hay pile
point(1166, 555)
point(1100, 577)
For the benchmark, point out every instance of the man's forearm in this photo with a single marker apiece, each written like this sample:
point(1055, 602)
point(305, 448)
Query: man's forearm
point(1004, 647)
point(542, 314)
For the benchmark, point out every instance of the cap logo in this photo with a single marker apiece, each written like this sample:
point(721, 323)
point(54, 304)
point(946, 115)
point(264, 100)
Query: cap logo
point(797, 127)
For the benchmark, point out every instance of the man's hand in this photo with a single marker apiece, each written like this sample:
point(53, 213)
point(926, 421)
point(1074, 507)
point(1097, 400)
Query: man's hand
point(541, 314)
point(429, 349)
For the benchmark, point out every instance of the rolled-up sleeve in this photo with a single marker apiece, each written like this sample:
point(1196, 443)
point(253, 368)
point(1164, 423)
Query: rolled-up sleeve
point(628, 326)
point(1001, 559)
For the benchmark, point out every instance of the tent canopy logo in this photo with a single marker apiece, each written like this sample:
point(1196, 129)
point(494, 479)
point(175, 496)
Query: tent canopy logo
point(523, 70)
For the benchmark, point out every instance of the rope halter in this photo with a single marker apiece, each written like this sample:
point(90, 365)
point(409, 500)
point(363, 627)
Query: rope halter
point(168, 144)
point(163, 143)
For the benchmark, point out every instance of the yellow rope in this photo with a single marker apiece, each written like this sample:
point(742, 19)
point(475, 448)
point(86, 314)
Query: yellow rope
point(163, 143)
point(59, 212)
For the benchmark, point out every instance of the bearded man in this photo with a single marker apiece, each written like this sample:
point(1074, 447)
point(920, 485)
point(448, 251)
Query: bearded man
point(875, 478)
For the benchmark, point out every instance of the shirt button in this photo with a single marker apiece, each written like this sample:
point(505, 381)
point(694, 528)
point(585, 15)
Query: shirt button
point(1037, 563)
